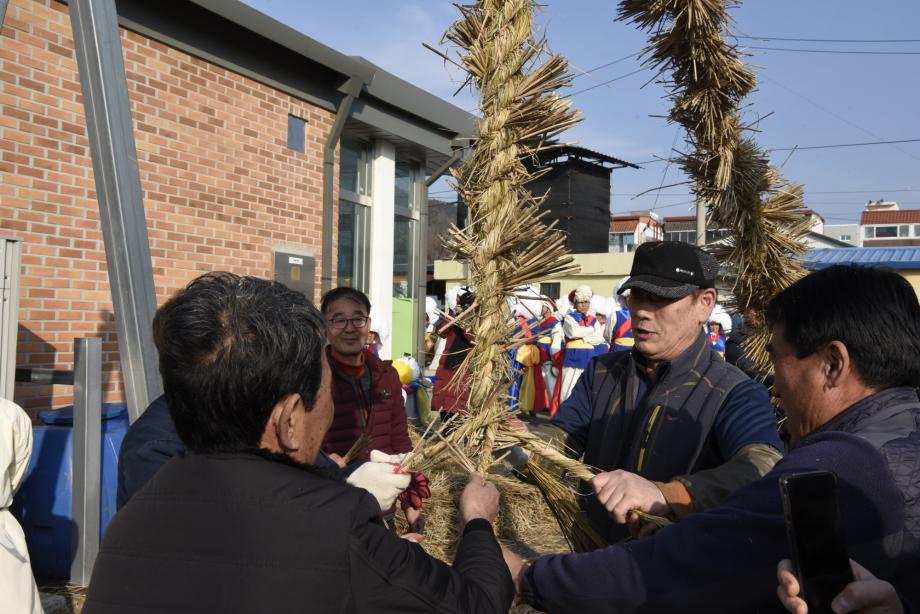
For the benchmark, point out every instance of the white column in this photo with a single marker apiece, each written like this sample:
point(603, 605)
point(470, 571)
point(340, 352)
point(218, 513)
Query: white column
point(383, 178)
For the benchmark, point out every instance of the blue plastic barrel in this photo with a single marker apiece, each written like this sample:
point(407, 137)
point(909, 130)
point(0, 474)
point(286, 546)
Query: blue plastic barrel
point(44, 503)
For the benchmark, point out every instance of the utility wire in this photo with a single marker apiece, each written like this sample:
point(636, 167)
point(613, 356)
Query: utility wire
point(865, 191)
point(666, 168)
point(593, 87)
point(809, 192)
point(845, 51)
point(831, 40)
point(801, 148)
point(843, 145)
point(617, 61)
point(843, 119)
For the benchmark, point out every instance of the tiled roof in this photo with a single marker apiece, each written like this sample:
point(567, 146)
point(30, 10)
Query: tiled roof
point(906, 216)
point(680, 218)
point(624, 225)
point(890, 257)
point(671, 225)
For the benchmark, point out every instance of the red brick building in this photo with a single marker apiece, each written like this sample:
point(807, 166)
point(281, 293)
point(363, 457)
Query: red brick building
point(231, 112)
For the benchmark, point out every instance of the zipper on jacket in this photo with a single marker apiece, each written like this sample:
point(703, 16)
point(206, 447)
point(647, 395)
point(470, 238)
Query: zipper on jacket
point(645, 437)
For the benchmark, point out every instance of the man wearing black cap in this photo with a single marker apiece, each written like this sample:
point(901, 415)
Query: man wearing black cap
point(674, 427)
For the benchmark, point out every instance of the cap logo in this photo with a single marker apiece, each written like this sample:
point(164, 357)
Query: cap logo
point(684, 271)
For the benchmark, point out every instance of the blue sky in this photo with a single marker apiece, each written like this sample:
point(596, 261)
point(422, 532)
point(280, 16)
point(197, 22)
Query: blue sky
point(814, 98)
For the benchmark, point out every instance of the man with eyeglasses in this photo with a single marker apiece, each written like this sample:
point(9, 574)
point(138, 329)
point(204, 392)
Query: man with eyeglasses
point(366, 390)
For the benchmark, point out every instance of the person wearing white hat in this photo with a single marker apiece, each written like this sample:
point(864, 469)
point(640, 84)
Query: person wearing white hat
point(530, 392)
point(18, 592)
point(618, 331)
point(719, 325)
point(584, 339)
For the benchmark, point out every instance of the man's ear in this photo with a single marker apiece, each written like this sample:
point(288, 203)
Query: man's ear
point(285, 419)
point(706, 301)
point(837, 364)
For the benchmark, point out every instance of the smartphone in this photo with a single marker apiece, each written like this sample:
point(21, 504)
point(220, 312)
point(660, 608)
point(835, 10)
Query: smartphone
point(815, 533)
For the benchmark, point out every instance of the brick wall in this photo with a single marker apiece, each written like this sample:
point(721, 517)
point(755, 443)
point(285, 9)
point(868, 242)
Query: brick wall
point(220, 188)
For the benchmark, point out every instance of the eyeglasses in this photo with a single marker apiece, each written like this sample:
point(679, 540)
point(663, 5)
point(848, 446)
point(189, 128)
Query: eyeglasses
point(342, 323)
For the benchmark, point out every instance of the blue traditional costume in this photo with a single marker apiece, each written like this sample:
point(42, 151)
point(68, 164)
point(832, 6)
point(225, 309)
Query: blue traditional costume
point(584, 340)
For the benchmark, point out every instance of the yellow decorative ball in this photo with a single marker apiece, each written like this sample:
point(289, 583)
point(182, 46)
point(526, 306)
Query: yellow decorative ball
point(404, 371)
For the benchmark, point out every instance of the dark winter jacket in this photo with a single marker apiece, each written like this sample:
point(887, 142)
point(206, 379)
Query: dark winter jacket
point(696, 416)
point(736, 355)
point(725, 559)
point(244, 533)
point(372, 403)
point(149, 444)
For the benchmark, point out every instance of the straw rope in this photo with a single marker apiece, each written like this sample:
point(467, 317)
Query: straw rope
point(707, 80)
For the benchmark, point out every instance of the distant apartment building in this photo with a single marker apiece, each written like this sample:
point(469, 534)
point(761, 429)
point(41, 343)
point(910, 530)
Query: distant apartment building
point(848, 233)
point(683, 228)
point(632, 229)
point(890, 227)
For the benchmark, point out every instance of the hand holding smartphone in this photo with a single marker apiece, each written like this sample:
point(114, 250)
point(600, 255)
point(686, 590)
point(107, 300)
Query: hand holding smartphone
point(815, 533)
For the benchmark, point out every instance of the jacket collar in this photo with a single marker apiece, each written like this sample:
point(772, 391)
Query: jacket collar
point(689, 360)
point(372, 363)
point(874, 407)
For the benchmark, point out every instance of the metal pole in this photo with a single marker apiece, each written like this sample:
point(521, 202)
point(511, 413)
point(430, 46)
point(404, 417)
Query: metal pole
point(700, 223)
point(118, 187)
point(421, 271)
point(9, 314)
point(87, 457)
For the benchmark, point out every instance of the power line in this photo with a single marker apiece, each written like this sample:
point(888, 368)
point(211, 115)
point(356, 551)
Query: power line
point(593, 87)
point(832, 114)
point(850, 203)
point(831, 40)
point(806, 147)
point(845, 51)
point(667, 167)
point(808, 192)
point(865, 191)
point(611, 63)
point(797, 148)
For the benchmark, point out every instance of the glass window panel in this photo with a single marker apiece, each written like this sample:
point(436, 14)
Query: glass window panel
point(403, 257)
point(886, 232)
point(349, 162)
point(904, 231)
point(403, 188)
point(295, 135)
point(347, 241)
point(550, 290)
point(870, 232)
point(351, 269)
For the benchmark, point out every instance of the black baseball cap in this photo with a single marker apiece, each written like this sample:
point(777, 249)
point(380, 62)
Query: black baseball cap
point(671, 269)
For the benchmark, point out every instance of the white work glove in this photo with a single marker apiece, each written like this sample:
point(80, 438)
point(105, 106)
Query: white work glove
point(379, 457)
point(381, 479)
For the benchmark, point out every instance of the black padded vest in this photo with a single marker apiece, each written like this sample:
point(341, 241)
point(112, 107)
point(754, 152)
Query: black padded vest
point(669, 435)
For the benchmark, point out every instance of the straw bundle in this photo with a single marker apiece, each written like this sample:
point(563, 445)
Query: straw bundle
point(525, 524)
point(505, 242)
point(731, 174)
